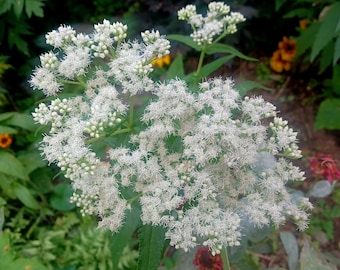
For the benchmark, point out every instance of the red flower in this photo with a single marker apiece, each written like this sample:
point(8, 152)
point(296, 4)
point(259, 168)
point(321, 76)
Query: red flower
point(206, 261)
point(325, 165)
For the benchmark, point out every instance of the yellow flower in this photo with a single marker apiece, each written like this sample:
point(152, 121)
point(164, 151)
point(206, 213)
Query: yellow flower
point(277, 63)
point(288, 49)
point(304, 23)
point(5, 140)
point(160, 62)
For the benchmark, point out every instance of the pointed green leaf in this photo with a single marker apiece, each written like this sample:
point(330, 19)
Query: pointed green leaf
point(18, 6)
point(246, 86)
point(326, 57)
point(213, 66)
point(4, 116)
point(328, 115)
point(5, 5)
point(176, 68)
point(8, 130)
point(31, 160)
point(306, 39)
point(21, 120)
point(10, 165)
point(279, 4)
point(34, 7)
point(120, 239)
point(25, 196)
point(224, 48)
point(327, 30)
point(151, 243)
point(186, 40)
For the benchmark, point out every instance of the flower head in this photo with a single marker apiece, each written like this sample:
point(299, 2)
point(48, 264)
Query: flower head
point(277, 63)
point(206, 261)
point(217, 21)
point(5, 140)
point(200, 161)
point(325, 165)
point(283, 57)
point(287, 48)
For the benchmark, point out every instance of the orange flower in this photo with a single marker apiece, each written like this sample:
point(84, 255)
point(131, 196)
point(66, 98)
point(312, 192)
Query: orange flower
point(160, 62)
point(287, 48)
point(5, 140)
point(304, 23)
point(277, 63)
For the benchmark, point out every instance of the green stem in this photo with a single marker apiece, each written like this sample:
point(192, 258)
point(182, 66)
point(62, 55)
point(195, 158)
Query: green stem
point(200, 62)
point(130, 201)
point(225, 259)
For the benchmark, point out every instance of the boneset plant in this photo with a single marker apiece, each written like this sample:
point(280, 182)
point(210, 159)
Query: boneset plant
point(196, 161)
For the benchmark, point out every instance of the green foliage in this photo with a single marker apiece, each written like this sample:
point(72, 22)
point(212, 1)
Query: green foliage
point(14, 21)
point(151, 239)
point(323, 220)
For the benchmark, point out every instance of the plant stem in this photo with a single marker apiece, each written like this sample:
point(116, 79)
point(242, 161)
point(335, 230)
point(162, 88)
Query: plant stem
point(200, 62)
point(225, 259)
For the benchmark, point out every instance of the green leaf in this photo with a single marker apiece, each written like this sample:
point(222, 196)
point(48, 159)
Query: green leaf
point(328, 115)
point(299, 13)
point(186, 40)
point(42, 178)
point(8, 130)
point(176, 68)
point(336, 79)
point(60, 198)
point(25, 196)
point(34, 7)
point(21, 120)
point(327, 30)
point(5, 5)
point(290, 244)
point(224, 48)
point(213, 66)
point(10, 165)
point(14, 39)
point(311, 259)
point(336, 55)
point(306, 39)
point(246, 86)
point(120, 239)
point(6, 186)
point(18, 6)
point(31, 160)
point(4, 116)
point(151, 242)
point(279, 4)
point(326, 57)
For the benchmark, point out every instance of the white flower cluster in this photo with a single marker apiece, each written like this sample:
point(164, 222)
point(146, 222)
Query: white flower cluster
point(217, 21)
point(200, 162)
point(75, 56)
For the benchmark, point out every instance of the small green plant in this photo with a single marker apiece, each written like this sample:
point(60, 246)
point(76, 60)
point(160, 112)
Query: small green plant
point(14, 21)
point(323, 219)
